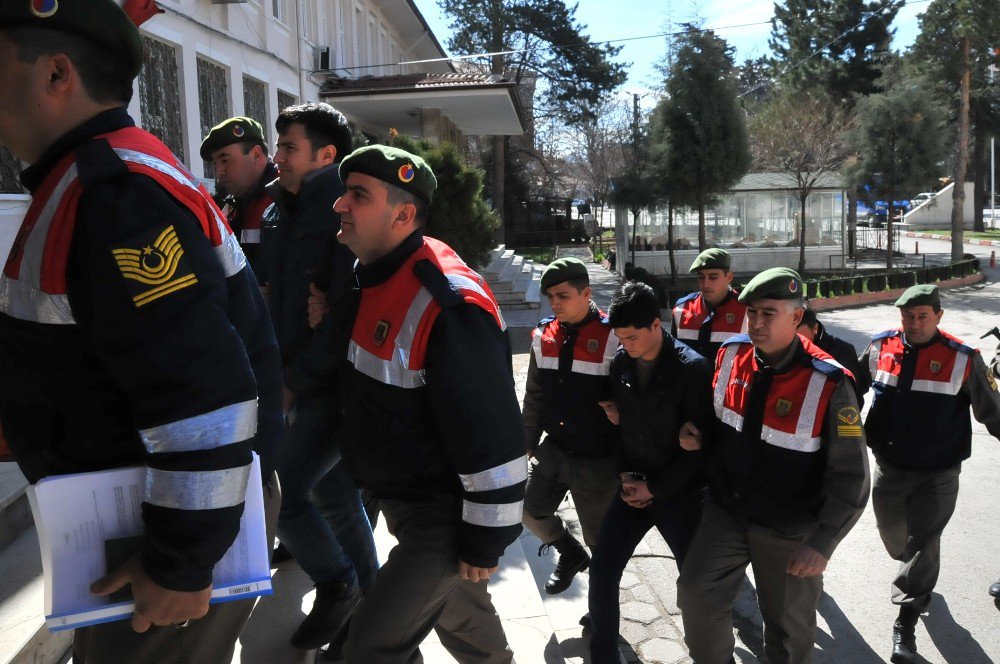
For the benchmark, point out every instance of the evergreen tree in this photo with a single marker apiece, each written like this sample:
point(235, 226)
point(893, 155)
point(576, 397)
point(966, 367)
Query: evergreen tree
point(848, 38)
point(702, 123)
point(458, 215)
point(898, 144)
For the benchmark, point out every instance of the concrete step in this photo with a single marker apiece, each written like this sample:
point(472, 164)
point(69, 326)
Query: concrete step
point(24, 638)
point(500, 260)
point(512, 271)
point(15, 514)
point(510, 297)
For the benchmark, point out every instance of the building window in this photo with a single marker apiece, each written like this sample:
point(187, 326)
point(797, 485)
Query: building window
point(278, 8)
point(285, 100)
point(255, 101)
point(159, 96)
point(10, 171)
point(213, 100)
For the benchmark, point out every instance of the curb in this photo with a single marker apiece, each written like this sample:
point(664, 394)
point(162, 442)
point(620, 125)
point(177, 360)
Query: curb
point(863, 299)
point(936, 236)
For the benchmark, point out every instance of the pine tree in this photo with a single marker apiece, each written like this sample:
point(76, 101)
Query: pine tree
point(702, 123)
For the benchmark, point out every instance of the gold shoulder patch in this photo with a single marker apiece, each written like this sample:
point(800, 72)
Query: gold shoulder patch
point(156, 270)
point(849, 422)
point(990, 379)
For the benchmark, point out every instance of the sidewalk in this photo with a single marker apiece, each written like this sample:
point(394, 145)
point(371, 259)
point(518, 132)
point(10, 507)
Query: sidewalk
point(938, 236)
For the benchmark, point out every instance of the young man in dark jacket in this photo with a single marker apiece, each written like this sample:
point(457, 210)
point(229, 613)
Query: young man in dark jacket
point(841, 350)
point(657, 384)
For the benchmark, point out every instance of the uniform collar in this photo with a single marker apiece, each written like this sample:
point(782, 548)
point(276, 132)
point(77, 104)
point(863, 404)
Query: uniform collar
point(102, 123)
point(592, 313)
point(379, 271)
point(782, 364)
point(268, 176)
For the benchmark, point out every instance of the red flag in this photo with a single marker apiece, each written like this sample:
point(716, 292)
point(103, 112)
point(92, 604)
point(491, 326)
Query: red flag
point(141, 11)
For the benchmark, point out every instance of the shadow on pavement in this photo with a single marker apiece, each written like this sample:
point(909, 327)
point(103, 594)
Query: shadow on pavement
point(844, 643)
point(953, 641)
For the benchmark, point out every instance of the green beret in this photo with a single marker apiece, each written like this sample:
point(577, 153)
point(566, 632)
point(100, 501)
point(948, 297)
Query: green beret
point(394, 166)
point(914, 296)
point(777, 283)
point(101, 21)
point(233, 130)
point(711, 259)
point(562, 270)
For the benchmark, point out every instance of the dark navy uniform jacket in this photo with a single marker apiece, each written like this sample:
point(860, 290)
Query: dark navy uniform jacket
point(171, 384)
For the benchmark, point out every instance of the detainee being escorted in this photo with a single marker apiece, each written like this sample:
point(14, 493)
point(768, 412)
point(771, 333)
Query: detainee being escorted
point(433, 425)
point(924, 381)
point(713, 313)
point(571, 353)
point(812, 329)
point(131, 330)
point(788, 478)
point(658, 386)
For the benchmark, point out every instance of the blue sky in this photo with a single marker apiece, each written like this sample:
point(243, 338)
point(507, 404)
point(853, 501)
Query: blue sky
point(617, 19)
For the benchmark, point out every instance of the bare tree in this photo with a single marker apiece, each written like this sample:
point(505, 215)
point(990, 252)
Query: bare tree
point(598, 150)
point(803, 137)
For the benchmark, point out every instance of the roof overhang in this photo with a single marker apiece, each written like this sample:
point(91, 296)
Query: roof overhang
point(490, 109)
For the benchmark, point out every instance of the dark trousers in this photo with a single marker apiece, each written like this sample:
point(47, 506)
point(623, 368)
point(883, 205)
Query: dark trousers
point(418, 589)
point(624, 527)
point(211, 639)
point(912, 508)
point(713, 575)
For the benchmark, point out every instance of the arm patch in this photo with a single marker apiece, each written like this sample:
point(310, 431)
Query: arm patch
point(153, 265)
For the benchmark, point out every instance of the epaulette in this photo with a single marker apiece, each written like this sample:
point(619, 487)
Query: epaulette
point(687, 298)
point(542, 324)
point(435, 281)
point(958, 345)
point(886, 335)
point(97, 161)
point(604, 318)
point(737, 339)
point(832, 370)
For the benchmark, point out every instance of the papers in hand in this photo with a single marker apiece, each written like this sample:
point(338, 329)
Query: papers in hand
point(76, 514)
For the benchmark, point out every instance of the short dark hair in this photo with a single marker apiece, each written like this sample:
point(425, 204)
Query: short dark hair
point(324, 125)
point(106, 76)
point(634, 305)
point(248, 147)
point(808, 317)
point(399, 196)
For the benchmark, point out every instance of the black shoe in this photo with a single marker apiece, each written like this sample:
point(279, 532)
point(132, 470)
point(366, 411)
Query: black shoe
point(586, 622)
point(904, 640)
point(334, 652)
point(281, 554)
point(995, 589)
point(335, 602)
point(573, 558)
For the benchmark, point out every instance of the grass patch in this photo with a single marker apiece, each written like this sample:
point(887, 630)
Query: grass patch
point(539, 255)
point(969, 235)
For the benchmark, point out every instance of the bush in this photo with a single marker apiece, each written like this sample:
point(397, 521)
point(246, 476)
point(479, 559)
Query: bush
point(458, 215)
point(876, 283)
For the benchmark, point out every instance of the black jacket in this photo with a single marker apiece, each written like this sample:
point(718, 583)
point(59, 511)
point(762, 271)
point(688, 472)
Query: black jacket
point(74, 398)
point(846, 354)
point(679, 390)
point(238, 207)
point(298, 247)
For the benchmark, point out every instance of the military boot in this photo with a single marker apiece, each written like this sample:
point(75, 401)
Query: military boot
point(573, 558)
point(995, 589)
point(904, 640)
point(335, 602)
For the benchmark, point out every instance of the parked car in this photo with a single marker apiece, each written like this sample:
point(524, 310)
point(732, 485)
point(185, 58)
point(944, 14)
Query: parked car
point(921, 198)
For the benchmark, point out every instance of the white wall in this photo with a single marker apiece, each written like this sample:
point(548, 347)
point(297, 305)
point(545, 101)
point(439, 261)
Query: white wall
point(936, 213)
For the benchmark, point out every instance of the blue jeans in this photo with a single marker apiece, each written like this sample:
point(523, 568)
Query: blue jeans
point(322, 521)
point(624, 527)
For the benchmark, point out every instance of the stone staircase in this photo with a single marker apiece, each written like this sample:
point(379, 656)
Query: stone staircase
point(514, 280)
point(24, 639)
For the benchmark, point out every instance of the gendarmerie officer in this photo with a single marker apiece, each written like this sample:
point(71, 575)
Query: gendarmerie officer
point(571, 352)
point(924, 382)
point(713, 313)
point(788, 478)
point(434, 428)
point(131, 331)
point(237, 149)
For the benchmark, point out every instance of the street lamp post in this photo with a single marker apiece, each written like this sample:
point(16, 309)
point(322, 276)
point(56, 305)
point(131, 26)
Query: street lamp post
point(993, 169)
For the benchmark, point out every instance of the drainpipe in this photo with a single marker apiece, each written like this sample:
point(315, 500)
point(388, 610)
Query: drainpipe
point(299, 38)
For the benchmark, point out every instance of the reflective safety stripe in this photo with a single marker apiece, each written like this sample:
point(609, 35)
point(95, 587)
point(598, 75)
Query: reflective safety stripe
point(951, 386)
point(411, 323)
point(719, 337)
point(732, 418)
point(610, 349)
point(459, 281)
point(225, 426)
point(544, 362)
point(589, 368)
point(507, 474)
point(492, 516)
point(722, 380)
point(683, 333)
point(715, 337)
point(389, 372)
point(21, 300)
point(874, 351)
point(197, 490)
point(250, 236)
point(886, 378)
point(789, 441)
point(229, 253)
point(678, 312)
point(810, 404)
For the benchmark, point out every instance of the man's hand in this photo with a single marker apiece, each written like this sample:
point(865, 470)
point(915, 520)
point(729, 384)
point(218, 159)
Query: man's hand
point(475, 574)
point(287, 400)
point(317, 306)
point(690, 437)
point(636, 494)
point(265, 291)
point(154, 604)
point(805, 562)
point(611, 410)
